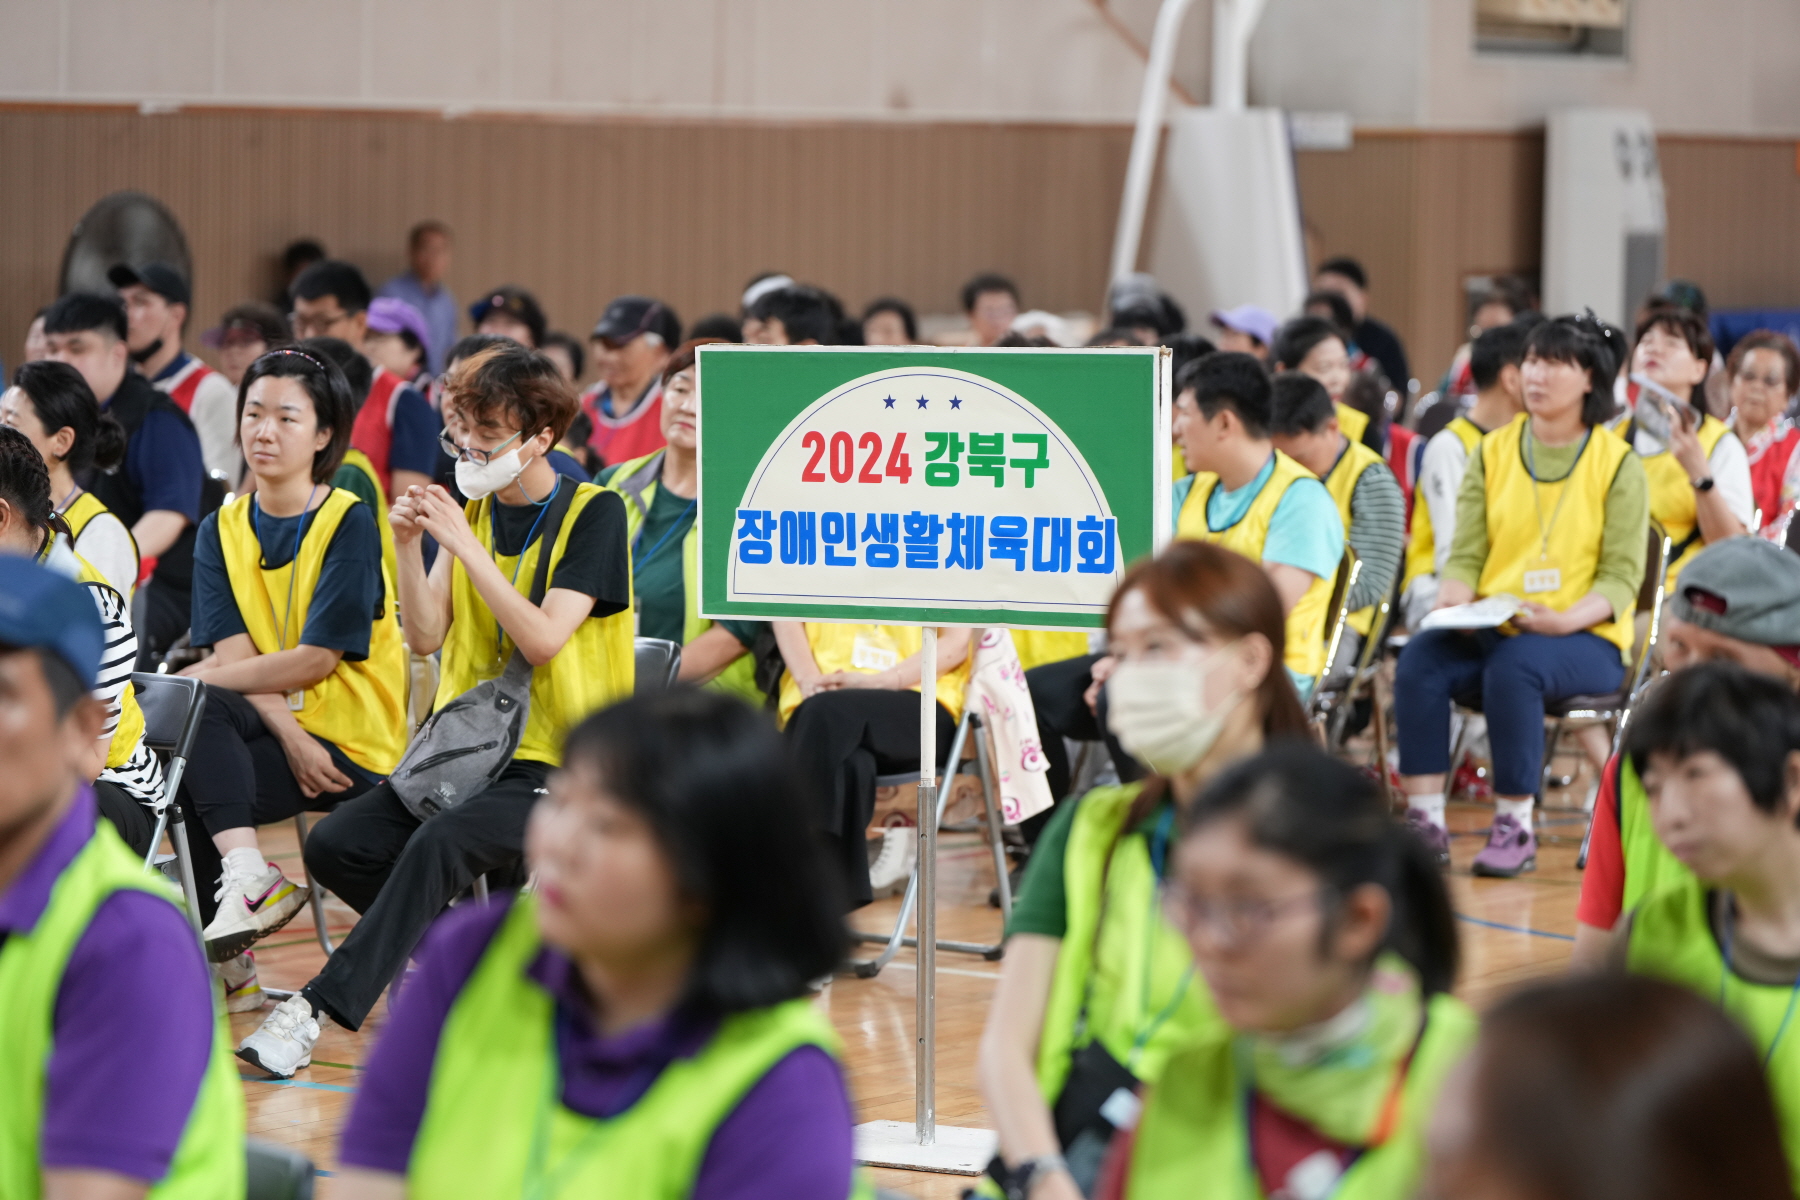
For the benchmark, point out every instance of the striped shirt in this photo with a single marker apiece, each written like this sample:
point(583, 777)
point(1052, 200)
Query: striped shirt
point(1377, 533)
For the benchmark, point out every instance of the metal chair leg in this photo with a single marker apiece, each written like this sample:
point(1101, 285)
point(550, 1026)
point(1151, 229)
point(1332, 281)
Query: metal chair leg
point(996, 843)
point(184, 862)
point(317, 900)
point(481, 889)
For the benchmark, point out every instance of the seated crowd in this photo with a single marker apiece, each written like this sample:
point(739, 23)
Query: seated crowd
point(369, 538)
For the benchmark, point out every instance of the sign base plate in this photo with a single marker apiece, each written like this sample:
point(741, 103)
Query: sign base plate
point(957, 1151)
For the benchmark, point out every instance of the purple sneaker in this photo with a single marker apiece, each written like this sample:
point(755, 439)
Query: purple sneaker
point(1435, 837)
point(1511, 850)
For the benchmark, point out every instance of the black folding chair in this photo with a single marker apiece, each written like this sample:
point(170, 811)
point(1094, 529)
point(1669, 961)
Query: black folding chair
point(172, 705)
point(658, 663)
point(276, 1172)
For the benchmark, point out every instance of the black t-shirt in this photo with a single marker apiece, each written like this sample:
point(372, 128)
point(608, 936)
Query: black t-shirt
point(597, 562)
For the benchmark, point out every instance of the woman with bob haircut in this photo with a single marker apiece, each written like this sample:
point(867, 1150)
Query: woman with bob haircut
point(52, 405)
point(1606, 1088)
point(306, 685)
point(1097, 989)
point(1554, 510)
point(1315, 346)
point(1718, 750)
point(638, 1025)
point(1324, 932)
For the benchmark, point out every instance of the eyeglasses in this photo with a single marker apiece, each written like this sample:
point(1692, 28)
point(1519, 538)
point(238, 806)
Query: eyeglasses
point(1772, 382)
point(471, 453)
point(1229, 922)
point(313, 324)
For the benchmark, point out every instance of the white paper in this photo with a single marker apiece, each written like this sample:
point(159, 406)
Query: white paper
point(1480, 614)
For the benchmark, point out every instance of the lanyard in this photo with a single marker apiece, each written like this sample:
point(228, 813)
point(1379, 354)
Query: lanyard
point(70, 499)
point(1726, 971)
point(293, 561)
point(639, 561)
point(1531, 470)
point(543, 506)
point(540, 1185)
point(1148, 1025)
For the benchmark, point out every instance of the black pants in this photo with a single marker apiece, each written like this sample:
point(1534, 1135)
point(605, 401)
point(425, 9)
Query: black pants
point(160, 615)
point(134, 822)
point(238, 777)
point(400, 874)
point(1057, 693)
point(843, 740)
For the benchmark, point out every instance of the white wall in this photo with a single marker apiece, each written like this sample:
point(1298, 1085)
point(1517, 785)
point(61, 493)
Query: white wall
point(1050, 60)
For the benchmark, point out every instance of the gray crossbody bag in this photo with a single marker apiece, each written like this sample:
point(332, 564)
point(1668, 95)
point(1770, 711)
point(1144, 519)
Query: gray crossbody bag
point(464, 746)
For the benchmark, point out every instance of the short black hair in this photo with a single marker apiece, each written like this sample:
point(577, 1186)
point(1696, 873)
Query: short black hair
point(301, 252)
point(333, 278)
point(571, 347)
point(900, 308)
point(717, 784)
point(1298, 337)
point(723, 326)
point(1498, 348)
point(1185, 348)
point(1590, 344)
point(472, 345)
point(804, 312)
point(1115, 337)
point(62, 400)
point(987, 281)
point(1298, 403)
point(1751, 721)
point(1230, 379)
point(358, 371)
point(419, 232)
point(1341, 314)
point(327, 388)
point(1346, 266)
point(86, 312)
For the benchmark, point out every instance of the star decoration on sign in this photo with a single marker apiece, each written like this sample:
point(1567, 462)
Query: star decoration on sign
point(923, 402)
point(888, 403)
point(956, 402)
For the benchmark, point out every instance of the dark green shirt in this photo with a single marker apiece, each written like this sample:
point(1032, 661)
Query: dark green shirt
point(1041, 904)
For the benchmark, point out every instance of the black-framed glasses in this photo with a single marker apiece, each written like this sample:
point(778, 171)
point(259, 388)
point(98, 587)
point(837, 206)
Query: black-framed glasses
point(313, 324)
point(472, 453)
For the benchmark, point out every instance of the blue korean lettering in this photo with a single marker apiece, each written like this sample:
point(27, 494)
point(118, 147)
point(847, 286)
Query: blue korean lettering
point(1031, 466)
point(1007, 540)
point(756, 535)
point(1094, 545)
point(987, 456)
point(922, 533)
point(838, 530)
point(881, 540)
point(940, 461)
point(1049, 543)
point(799, 538)
point(965, 542)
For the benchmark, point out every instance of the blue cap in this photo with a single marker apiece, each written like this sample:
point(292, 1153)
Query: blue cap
point(41, 610)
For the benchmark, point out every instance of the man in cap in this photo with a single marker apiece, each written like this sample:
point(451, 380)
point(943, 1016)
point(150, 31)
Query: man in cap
point(244, 334)
point(512, 312)
point(422, 285)
point(95, 954)
point(1246, 329)
point(632, 342)
point(156, 312)
point(1739, 601)
point(395, 426)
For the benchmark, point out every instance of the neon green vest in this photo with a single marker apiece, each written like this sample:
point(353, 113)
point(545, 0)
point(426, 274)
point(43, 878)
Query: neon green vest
point(1191, 1139)
point(209, 1161)
point(1672, 939)
point(637, 481)
point(495, 1078)
point(1649, 867)
point(1144, 1001)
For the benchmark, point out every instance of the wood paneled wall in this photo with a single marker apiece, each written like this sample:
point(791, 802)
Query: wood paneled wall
point(580, 211)
point(577, 211)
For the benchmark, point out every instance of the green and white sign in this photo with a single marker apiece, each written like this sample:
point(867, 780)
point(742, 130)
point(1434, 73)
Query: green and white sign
point(928, 486)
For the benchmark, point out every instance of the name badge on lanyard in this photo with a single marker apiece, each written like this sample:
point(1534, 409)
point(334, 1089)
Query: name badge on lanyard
point(1546, 579)
point(869, 654)
point(296, 700)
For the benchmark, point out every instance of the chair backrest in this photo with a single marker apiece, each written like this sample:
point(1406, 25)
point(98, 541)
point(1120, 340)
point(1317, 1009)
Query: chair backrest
point(172, 705)
point(658, 662)
point(1339, 611)
point(275, 1172)
point(1650, 600)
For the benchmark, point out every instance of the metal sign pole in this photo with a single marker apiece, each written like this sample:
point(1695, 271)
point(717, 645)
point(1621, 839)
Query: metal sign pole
point(925, 1032)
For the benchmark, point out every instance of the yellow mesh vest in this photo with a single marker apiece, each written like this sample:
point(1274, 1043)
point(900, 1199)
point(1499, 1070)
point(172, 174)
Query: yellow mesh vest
point(361, 706)
point(389, 559)
point(1421, 541)
point(1672, 500)
point(130, 729)
point(593, 669)
point(1341, 482)
point(85, 508)
point(1514, 537)
point(834, 648)
point(1305, 650)
point(1352, 422)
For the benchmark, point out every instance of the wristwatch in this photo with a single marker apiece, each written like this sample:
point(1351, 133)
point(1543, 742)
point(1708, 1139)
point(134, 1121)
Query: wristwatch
point(1703, 485)
point(1020, 1179)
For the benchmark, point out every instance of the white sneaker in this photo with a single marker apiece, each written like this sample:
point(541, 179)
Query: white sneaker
point(252, 905)
point(238, 977)
point(285, 1041)
point(893, 867)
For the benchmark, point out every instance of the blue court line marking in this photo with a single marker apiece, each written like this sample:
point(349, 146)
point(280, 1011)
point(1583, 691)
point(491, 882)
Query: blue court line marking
point(323, 1174)
point(1543, 933)
point(299, 1083)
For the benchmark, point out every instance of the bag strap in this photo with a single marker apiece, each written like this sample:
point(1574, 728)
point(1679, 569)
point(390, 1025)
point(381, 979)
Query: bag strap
point(518, 670)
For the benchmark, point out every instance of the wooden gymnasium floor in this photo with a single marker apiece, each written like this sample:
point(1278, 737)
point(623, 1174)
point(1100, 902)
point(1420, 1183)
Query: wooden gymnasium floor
point(1513, 930)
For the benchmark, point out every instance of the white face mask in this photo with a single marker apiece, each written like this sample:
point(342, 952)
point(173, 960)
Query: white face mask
point(1160, 712)
point(478, 480)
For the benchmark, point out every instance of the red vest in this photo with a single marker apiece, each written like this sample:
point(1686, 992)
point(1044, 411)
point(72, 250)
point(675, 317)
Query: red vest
point(184, 383)
point(373, 432)
point(1403, 462)
point(639, 433)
